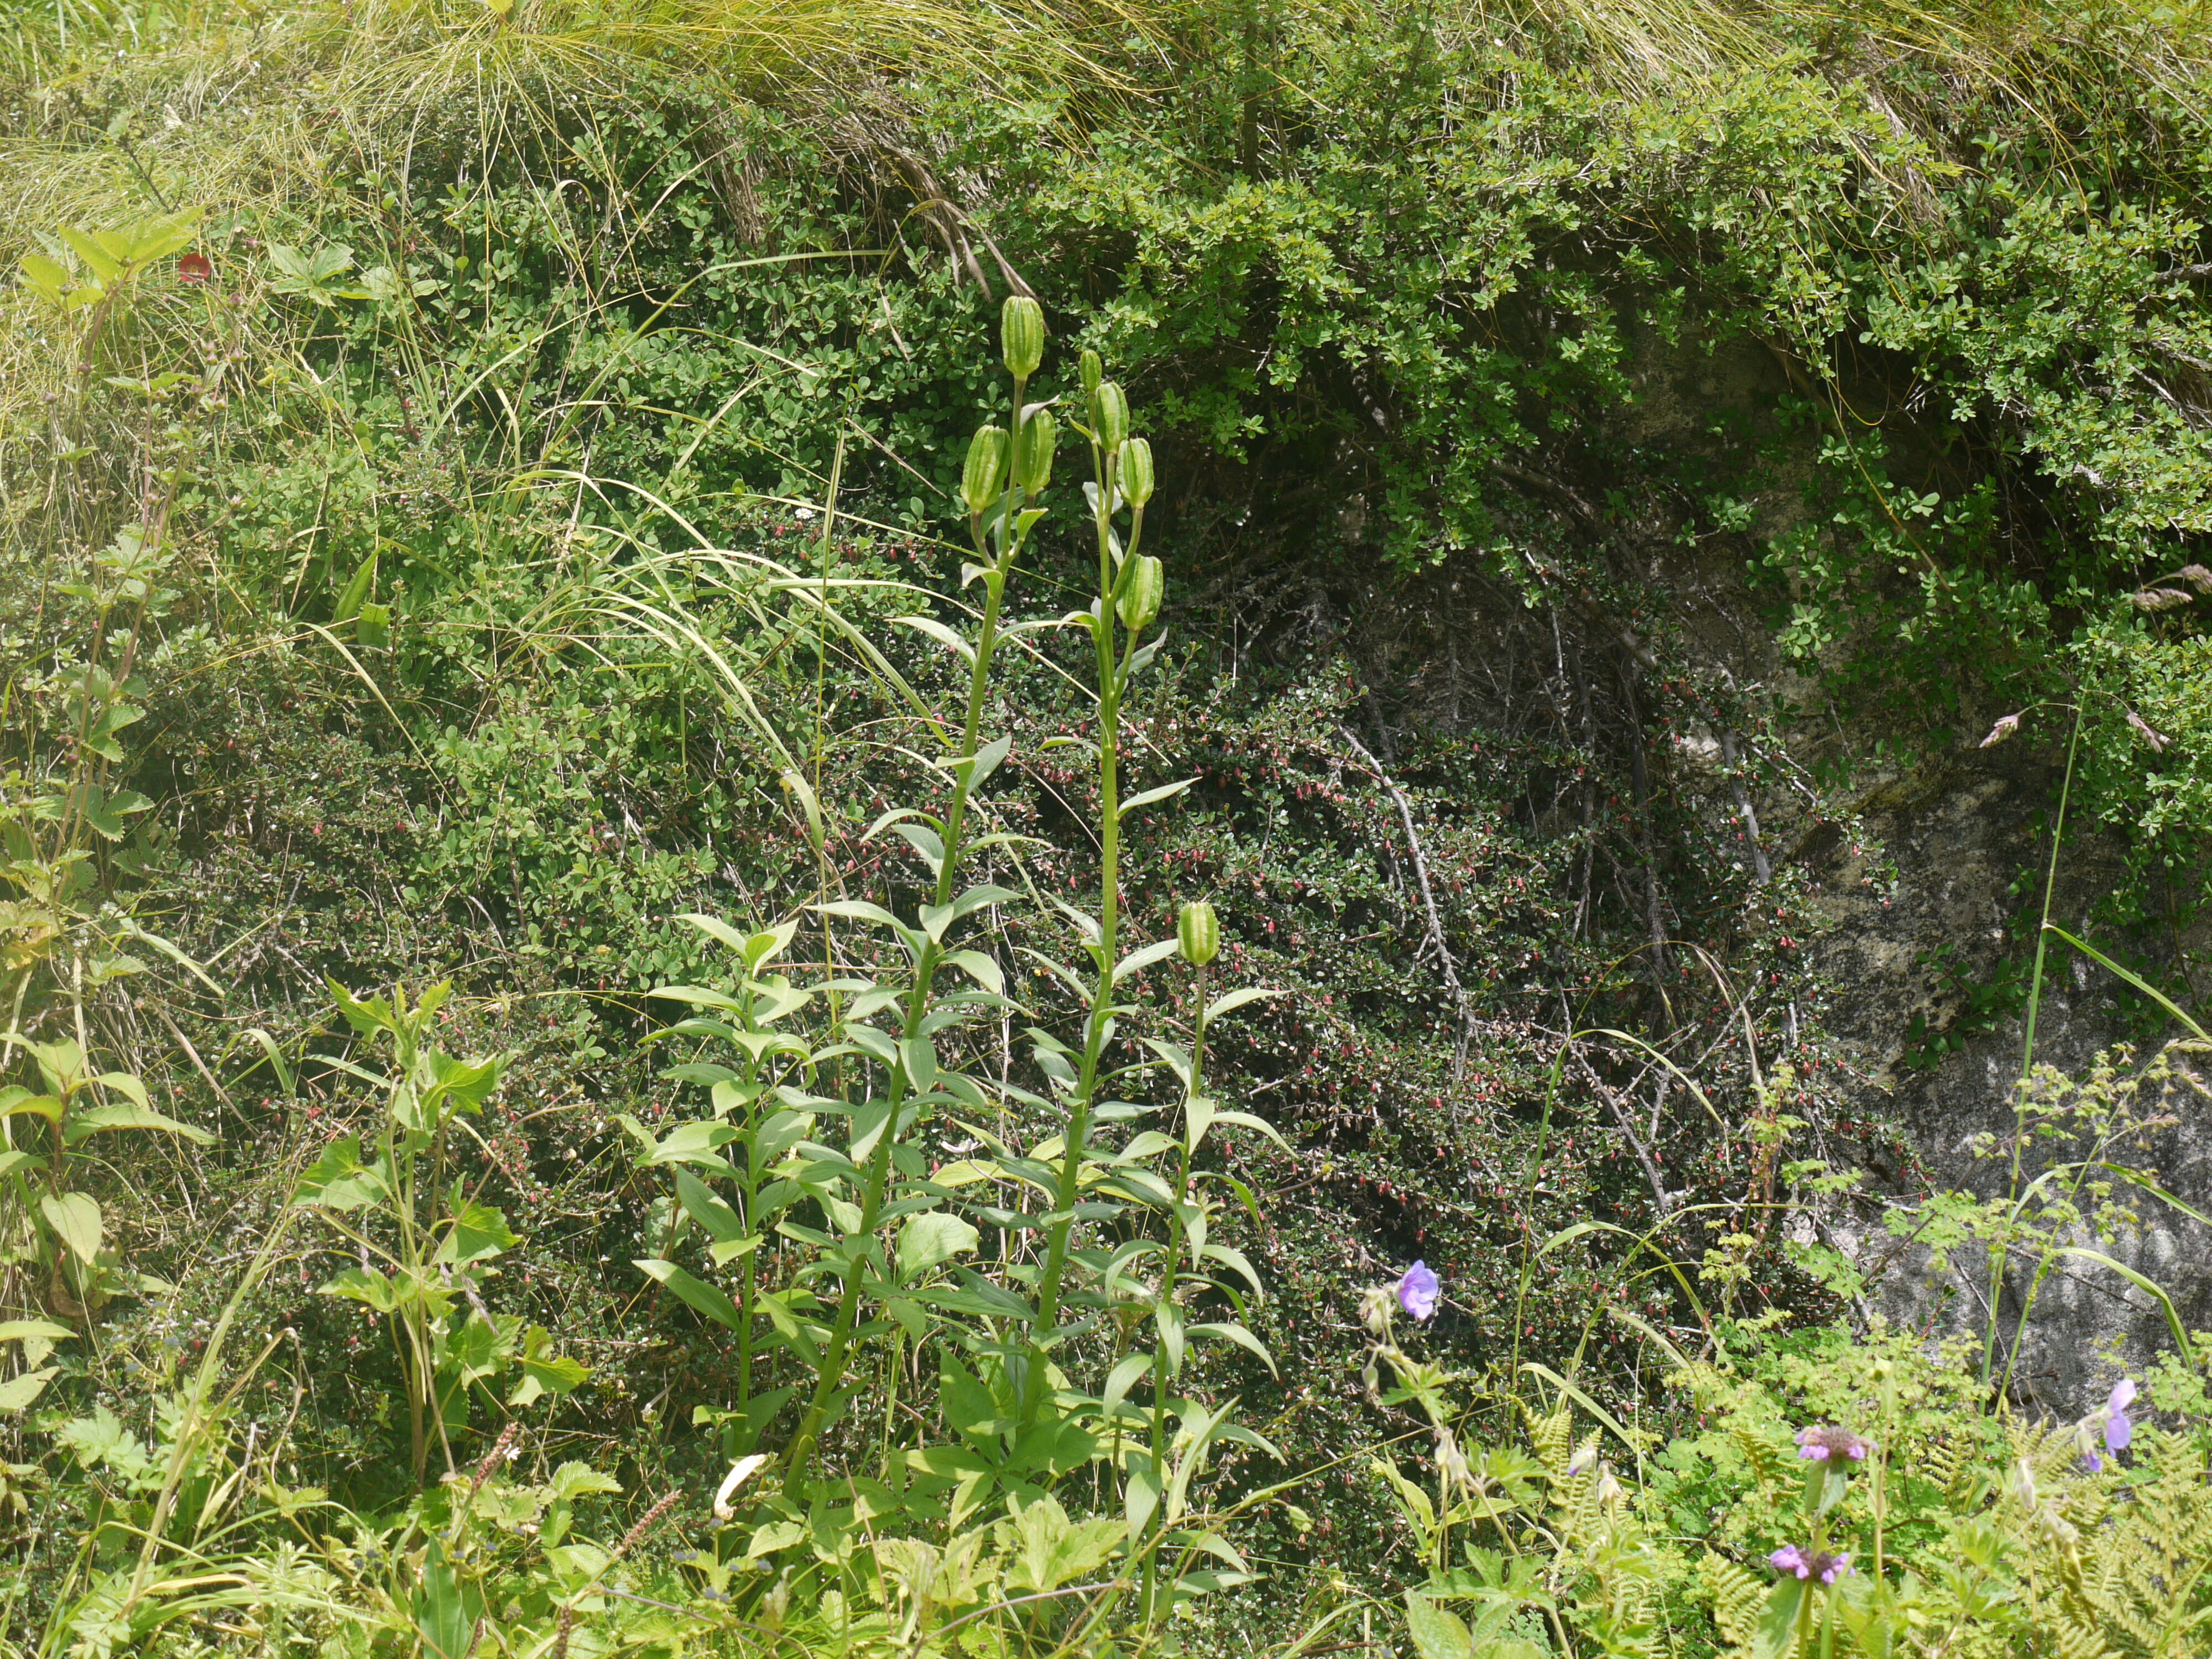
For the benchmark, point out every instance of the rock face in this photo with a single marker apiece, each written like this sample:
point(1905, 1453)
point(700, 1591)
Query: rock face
point(1932, 895)
point(1933, 917)
point(1952, 946)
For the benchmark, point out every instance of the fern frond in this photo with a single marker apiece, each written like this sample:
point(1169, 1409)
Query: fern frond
point(1737, 1596)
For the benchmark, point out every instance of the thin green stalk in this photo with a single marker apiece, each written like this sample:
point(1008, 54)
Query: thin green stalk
point(1178, 1244)
point(1067, 1189)
point(2027, 1044)
point(799, 1455)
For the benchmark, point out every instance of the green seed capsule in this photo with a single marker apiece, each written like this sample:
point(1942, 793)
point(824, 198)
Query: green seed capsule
point(1033, 453)
point(1093, 371)
point(986, 454)
point(1109, 414)
point(1021, 333)
point(1136, 471)
point(1143, 587)
point(1198, 933)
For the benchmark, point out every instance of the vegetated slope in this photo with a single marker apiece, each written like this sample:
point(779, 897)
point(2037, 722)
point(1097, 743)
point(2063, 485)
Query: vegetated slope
point(1573, 447)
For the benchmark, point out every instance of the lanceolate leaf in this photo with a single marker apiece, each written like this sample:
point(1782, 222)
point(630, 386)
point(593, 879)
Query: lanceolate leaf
point(101, 1119)
point(694, 1292)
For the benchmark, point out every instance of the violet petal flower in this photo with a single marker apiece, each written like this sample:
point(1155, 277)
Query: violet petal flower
point(2119, 1431)
point(1418, 1291)
point(1800, 1563)
point(1819, 1445)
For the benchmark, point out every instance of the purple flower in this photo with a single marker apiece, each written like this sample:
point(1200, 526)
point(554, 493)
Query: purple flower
point(2118, 1431)
point(1819, 1445)
point(2111, 1419)
point(1417, 1290)
point(1815, 1564)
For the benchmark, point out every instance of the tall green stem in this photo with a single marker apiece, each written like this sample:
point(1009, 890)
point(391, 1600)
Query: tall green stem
point(861, 1240)
point(1068, 1189)
point(2027, 1046)
point(1178, 1246)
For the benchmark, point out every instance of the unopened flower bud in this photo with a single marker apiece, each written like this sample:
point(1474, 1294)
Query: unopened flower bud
point(1136, 471)
point(1021, 333)
point(1143, 587)
point(1375, 1314)
point(987, 455)
point(1033, 451)
point(1093, 371)
point(1109, 413)
point(1198, 933)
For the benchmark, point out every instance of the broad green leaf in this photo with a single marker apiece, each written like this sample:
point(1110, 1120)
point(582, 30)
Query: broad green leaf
point(17, 1101)
point(1246, 1121)
point(19, 1393)
point(123, 1083)
point(931, 1239)
point(75, 1217)
point(775, 1535)
point(105, 265)
point(17, 1330)
point(1124, 1377)
point(1778, 1623)
point(1437, 1634)
point(942, 635)
point(338, 1180)
point(544, 1372)
point(696, 1143)
point(478, 1233)
point(362, 1285)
